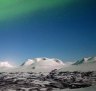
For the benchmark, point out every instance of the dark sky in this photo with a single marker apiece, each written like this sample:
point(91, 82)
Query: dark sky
point(67, 33)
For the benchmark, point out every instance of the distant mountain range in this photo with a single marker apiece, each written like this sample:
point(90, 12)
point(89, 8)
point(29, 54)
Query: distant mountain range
point(85, 64)
point(42, 64)
point(85, 60)
point(43, 61)
point(48, 64)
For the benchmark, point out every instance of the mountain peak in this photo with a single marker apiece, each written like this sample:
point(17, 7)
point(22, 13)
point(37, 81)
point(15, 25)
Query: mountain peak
point(86, 60)
point(42, 61)
point(42, 64)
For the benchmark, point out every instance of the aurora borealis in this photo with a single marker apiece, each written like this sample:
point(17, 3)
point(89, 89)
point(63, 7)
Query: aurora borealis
point(14, 8)
point(64, 29)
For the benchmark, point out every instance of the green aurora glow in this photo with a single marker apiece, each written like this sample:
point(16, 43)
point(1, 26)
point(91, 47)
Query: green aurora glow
point(10, 9)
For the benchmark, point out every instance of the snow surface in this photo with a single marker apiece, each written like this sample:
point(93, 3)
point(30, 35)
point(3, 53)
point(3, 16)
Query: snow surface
point(92, 88)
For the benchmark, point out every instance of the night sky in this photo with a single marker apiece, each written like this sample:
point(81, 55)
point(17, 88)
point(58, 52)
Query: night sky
point(63, 29)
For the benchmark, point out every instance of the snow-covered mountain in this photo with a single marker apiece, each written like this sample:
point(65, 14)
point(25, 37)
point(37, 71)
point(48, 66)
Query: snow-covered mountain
point(5, 64)
point(48, 64)
point(43, 61)
point(41, 64)
point(35, 65)
point(86, 64)
point(86, 60)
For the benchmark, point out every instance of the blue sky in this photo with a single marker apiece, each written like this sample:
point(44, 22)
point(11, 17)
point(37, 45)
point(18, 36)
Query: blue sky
point(66, 33)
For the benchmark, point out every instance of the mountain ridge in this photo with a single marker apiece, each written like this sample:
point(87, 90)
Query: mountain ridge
point(85, 60)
